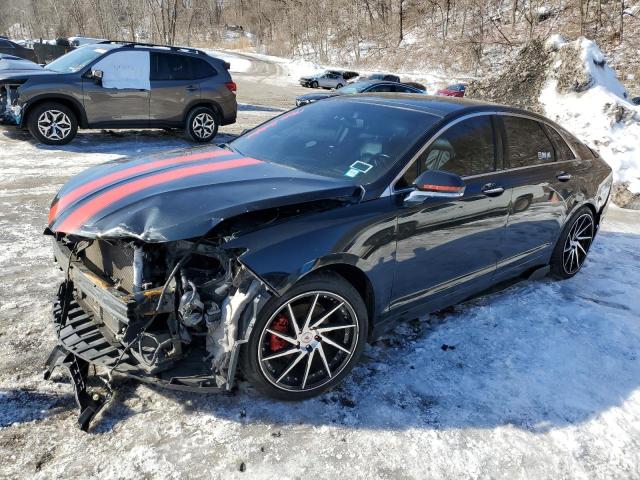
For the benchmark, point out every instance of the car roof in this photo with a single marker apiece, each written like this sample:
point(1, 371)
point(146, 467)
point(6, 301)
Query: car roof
point(434, 105)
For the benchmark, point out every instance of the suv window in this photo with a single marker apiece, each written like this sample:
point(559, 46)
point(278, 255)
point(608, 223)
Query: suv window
point(201, 68)
point(466, 149)
point(167, 66)
point(6, 44)
point(382, 88)
point(563, 152)
point(527, 143)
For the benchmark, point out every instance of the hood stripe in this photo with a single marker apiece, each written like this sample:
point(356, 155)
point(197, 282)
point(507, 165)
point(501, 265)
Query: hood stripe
point(98, 183)
point(92, 207)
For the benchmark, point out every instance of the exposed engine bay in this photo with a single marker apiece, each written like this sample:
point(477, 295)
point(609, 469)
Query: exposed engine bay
point(173, 314)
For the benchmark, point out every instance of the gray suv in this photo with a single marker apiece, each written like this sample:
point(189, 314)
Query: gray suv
point(122, 85)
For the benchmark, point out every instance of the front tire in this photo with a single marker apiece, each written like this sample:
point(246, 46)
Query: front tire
point(314, 84)
point(201, 125)
point(306, 342)
point(573, 245)
point(52, 123)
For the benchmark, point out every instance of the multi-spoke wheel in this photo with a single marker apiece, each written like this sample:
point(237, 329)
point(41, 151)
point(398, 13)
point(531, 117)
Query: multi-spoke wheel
point(306, 342)
point(573, 245)
point(202, 124)
point(52, 123)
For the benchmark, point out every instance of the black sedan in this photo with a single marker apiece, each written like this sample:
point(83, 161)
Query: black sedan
point(367, 86)
point(283, 252)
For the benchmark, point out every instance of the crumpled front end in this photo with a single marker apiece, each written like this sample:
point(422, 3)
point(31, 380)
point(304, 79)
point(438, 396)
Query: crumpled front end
point(171, 314)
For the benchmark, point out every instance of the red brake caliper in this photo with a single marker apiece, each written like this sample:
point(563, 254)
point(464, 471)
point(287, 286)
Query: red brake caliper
point(280, 324)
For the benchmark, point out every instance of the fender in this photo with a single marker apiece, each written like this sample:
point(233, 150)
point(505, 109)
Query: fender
point(200, 101)
point(77, 106)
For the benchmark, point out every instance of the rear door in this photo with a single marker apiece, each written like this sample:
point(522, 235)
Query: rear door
point(122, 97)
point(173, 87)
point(449, 247)
point(541, 182)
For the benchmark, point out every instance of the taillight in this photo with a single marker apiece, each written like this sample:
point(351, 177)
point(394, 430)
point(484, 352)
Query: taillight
point(231, 86)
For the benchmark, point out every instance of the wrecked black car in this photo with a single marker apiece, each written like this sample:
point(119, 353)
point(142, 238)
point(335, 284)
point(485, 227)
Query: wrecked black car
point(277, 256)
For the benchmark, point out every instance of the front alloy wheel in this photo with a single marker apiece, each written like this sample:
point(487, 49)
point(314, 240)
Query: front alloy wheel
point(307, 342)
point(52, 123)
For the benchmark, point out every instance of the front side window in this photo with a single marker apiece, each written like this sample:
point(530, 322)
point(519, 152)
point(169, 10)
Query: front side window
point(343, 139)
point(125, 69)
point(527, 143)
point(467, 148)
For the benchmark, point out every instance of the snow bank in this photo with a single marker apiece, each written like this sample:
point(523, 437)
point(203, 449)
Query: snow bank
point(583, 94)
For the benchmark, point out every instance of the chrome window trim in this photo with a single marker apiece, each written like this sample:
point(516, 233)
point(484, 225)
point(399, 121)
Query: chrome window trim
point(391, 190)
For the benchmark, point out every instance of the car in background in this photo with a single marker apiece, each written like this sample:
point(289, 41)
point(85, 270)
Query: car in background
point(328, 79)
point(635, 101)
point(367, 86)
point(123, 85)
point(12, 48)
point(417, 85)
point(454, 90)
point(82, 41)
point(387, 77)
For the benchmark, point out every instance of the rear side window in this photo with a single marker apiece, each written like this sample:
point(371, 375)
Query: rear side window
point(563, 151)
point(201, 68)
point(165, 66)
point(467, 148)
point(527, 143)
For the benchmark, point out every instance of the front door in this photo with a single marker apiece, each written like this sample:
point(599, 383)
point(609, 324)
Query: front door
point(448, 247)
point(122, 97)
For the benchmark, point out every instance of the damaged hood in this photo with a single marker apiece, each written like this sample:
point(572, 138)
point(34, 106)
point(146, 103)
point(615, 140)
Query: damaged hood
point(180, 195)
point(20, 75)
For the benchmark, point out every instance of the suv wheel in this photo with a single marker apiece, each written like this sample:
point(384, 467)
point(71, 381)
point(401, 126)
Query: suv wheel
point(52, 124)
point(202, 124)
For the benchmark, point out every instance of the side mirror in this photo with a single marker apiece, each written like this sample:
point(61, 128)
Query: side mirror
point(97, 76)
point(436, 183)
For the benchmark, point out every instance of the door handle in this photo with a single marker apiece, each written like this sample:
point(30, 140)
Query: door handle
point(492, 190)
point(191, 88)
point(564, 176)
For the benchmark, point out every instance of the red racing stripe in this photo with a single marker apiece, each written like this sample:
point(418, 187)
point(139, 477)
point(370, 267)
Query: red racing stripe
point(100, 202)
point(78, 192)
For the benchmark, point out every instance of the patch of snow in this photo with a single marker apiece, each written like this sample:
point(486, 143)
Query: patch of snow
point(238, 64)
point(600, 116)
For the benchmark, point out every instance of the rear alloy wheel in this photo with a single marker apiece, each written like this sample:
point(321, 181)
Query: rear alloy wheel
point(314, 84)
point(573, 245)
point(307, 343)
point(202, 124)
point(52, 124)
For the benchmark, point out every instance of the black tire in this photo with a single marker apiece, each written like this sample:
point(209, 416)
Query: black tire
point(329, 287)
point(52, 123)
point(314, 84)
point(201, 125)
point(339, 86)
point(577, 235)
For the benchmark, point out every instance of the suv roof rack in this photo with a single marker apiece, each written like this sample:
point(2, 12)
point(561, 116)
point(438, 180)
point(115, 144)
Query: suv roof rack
point(141, 44)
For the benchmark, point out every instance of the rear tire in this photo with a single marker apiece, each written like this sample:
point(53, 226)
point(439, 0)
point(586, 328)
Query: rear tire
point(322, 355)
point(338, 86)
point(573, 245)
point(201, 125)
point(314, 84)
point(52, 123)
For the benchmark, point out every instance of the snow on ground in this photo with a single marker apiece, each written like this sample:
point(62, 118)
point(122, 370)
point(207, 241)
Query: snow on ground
point(538, 380)
point(599, 115)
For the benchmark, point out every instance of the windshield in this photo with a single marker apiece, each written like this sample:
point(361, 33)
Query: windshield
point(77, 59)
point(339, 139)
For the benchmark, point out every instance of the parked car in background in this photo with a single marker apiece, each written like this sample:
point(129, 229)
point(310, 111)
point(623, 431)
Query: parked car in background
point(81, 41)
point(367, 86)
point(417, 85)
point(328, 79)
point(387, 77)
point(123, 85)
point(285, 252)
point(12, 48)
point(454, 90)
